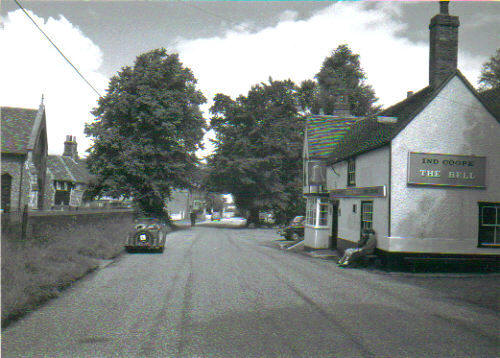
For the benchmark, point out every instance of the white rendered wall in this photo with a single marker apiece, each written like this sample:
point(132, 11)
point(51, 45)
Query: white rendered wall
point(372, 169)
point(444, 219)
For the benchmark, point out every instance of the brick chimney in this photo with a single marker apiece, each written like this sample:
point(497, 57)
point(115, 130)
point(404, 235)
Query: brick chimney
point(70, 147)
point(342, 106)
point(443, 45)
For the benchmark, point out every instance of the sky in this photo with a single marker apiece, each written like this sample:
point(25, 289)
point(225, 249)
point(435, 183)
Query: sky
point(228, 45)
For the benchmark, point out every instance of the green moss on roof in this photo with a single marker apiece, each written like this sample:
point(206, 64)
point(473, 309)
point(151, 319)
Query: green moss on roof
point(324, 133)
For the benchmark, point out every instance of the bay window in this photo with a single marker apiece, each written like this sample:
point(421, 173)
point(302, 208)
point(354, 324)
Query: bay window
point(317, 210)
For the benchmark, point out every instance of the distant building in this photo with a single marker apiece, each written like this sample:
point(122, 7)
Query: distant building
point(69, 176)
point(30, 176)
point(24, 158)
point(423, 173)
point(183, 201)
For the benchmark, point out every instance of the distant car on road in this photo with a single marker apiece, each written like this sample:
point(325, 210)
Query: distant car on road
point(267, 218)
point(148, 233)
point(215, 216)
point(294, 230)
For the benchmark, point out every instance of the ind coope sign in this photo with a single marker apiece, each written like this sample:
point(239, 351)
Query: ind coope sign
point(446, 170)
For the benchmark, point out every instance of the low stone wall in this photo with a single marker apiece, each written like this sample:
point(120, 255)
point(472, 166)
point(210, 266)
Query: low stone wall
point(69, 225)
point(90, 225)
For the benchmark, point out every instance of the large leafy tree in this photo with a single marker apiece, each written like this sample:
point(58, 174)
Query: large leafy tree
point(258, 149)
point(340, 75)
point(490, 73)
point(146, 131)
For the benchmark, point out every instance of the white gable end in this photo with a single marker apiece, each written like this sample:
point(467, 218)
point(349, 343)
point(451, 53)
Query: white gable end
point(455, 122)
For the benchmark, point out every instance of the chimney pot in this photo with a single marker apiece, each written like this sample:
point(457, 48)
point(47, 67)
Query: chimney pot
point(443, 7)
point(70, 147)
point(342, 106)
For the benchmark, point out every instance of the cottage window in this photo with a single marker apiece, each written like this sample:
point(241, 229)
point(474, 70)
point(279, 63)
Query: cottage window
point(351, 172)
point(6, 190)
point(489, 224)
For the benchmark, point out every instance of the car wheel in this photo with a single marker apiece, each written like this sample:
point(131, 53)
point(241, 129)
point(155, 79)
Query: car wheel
point(295, 237)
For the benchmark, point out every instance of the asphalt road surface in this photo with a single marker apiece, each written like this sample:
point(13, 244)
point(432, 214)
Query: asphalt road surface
point(231, 293)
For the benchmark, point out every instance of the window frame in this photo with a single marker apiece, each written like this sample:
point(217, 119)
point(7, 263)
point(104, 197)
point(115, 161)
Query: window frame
point(351, 172)
point(363, 212)
point(322, 208)
point(315, 207)
point(481, 225)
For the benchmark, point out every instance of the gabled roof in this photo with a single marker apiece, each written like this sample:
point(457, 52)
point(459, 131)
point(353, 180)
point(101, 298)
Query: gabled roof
point(324, 132)
point(19, 128)
point(369, 134)
point(65, 168)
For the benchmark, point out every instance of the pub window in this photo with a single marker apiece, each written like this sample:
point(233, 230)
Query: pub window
point(351, 172)
point(323, 212)
point(366, 215)
point(317, 212)
point(310, 211)
point(489, 225)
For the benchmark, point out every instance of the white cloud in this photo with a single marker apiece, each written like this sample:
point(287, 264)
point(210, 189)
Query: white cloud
point(230, 64)
point(30, 67)
point(295, 49)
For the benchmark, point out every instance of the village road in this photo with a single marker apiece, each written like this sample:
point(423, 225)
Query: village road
point(230, 293)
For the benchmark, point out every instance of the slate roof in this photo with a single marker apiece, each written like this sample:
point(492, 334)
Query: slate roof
point(17, 126)
point(368, 134)
point(324, 133)
point(65, 168)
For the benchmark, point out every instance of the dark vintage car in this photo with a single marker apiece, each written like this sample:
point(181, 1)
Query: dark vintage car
point(148, 233)
point(294, 230)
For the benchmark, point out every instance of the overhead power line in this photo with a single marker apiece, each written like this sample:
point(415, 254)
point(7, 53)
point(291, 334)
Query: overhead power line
point(213, 14)
point(55, 46)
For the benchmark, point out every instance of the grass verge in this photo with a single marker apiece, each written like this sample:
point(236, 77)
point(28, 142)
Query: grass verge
point(35, 271)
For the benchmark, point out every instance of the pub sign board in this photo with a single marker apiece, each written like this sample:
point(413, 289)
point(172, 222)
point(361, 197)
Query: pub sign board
point(446, 170)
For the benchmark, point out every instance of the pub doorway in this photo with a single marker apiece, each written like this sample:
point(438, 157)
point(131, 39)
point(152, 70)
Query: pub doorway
point(335, 224)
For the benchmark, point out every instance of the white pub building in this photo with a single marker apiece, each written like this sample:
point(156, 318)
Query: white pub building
point(424, 173)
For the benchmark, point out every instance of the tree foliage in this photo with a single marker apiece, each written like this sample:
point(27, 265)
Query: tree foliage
point(146, 131)
point(258, 149)
point(340, 75)
point(490, 73)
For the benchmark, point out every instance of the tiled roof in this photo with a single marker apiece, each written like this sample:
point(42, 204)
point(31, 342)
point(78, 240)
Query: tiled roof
point(369, 133)
point(324, 133)
point(492, 99)
point(17, 125)
point(67, 169)
point(78, 169)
